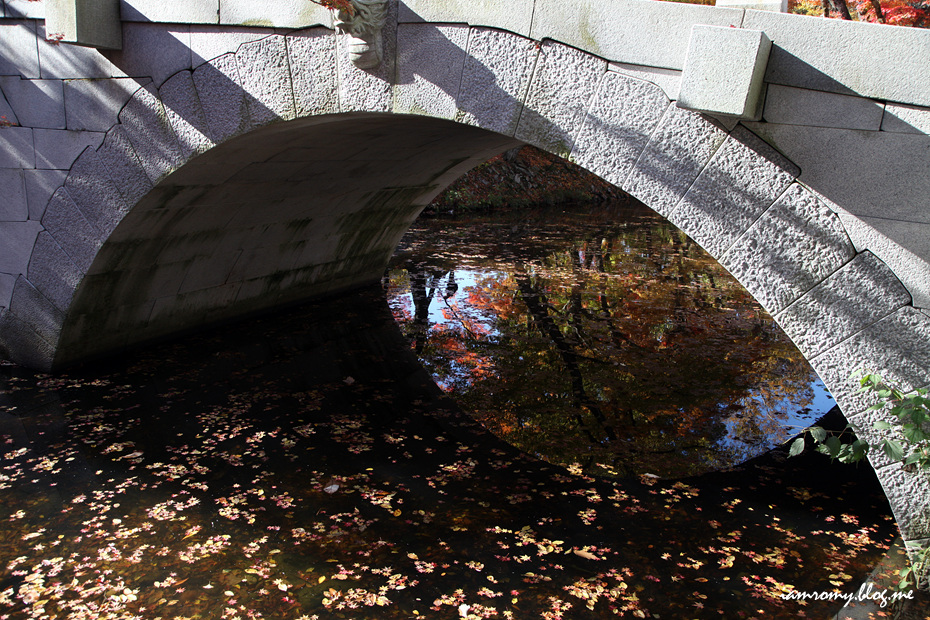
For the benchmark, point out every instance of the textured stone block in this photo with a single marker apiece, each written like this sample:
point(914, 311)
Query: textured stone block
point(624, 113)
point(210, 42)
point(907, 495)
point(53, 273)
point(122, 256)
point(17, 240)
point(796, 244)
point(71, 230)
point(172, 312)
point(628, 31)
point(861, 292)
point(278, 14)
point(36, 103)
point(154, 50)
point(893, 186)
point(222, 97)
point(7, 115)
point(174, 255)
point(200, 175)
point(35, 310)
point(669, 80)
point(496, 75)
point(262, 261)
point(21, 344)
point(123, 165)
point(368, 90)
point(681, 146)
point(563, 83)
point(878, 62)
point(430, 59)
point(209, 272)
point(92, 23)
point(894, 348)
point(723, 71)
point(155, 281)
point(798, 106)
point(514, 16)
point(189, 11)
point(743, 178)
point(312, 61)
point(148, 128)
point(109, 329)
point(907, 264)
point(19, 53)
point(13, 204)
point(56, 149)
point(91, 189)
point(779, 6)
point(40, 185)
point(906, 119)
point(17, 149)
point(25, 9)
point(72, 61)
point(184, 112)
point(94, 105)
point(266, 79)
point(6, 289)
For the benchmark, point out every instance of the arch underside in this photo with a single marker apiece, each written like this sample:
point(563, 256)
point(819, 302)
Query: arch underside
point(282, 172)
point(270, 218)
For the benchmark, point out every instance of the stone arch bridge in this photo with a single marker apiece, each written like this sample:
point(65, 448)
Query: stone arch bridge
point(188, 163)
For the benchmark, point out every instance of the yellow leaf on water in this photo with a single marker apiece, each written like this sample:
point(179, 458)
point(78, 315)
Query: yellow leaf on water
point(585, 554)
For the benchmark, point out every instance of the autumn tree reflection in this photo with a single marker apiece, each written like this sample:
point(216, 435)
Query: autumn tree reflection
point(601, 336)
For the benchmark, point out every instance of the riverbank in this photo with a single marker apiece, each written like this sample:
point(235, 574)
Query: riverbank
point(520, 177)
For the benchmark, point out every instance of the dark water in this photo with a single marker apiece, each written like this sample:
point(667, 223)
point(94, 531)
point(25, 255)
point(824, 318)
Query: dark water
point(600, 337)
point(306, 466)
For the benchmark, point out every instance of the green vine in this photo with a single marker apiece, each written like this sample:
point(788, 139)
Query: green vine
point(906, 440)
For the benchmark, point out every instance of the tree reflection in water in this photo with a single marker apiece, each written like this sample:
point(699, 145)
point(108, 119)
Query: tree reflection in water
point(599, 335)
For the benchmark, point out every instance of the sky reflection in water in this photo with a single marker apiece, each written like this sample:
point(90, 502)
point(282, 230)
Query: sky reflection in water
point(605, 329)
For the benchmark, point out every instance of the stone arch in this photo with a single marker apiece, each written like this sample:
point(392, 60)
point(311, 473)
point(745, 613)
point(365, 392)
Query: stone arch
point(128, 204)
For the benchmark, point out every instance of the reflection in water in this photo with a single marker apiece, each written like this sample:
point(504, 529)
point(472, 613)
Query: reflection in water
point(600, 336)
point(306, 466)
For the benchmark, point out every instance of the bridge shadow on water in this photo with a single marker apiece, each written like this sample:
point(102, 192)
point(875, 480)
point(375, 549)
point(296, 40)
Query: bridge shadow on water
point(306, 464)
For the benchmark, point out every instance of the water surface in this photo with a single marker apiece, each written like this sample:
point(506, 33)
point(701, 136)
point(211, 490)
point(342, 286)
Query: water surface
point(602, 336)
point(306, 466)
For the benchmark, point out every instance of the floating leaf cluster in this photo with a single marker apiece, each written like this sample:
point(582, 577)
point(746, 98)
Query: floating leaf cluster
point(239, 475)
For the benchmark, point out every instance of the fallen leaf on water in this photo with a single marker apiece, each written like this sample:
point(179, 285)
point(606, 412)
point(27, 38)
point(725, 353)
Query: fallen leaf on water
point(585, 554)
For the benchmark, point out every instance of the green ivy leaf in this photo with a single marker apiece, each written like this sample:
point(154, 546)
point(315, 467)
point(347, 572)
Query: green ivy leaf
point(859, 449)
point(893, 449)
point(818, 433)
point(913, 433)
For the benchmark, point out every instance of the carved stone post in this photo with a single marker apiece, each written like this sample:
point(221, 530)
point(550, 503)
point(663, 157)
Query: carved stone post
point(363, 29)
point(94, 23)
